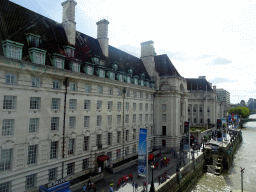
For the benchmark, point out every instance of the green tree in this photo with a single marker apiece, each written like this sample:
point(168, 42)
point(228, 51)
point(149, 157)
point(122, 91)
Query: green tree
point(241, 111)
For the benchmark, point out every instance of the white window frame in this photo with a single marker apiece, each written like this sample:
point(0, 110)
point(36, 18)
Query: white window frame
point(100, 90)
point(87, 89)
point(118, 121)
point(34, 125)
point(109, 119)
point(53, 174)
point(86, 143)
point(72, 122)
point(134, 106)
point(146, 117)
point(8, 127)
point(85, 164)
point(35, 103)
point(32, 154)
point(10, 79)
point(87, 104)
point(140, 118)
point(126, 135)
point(164, 107)
point(6, 159)
point(5, 187)
point(70, 168)
point(54, 123)
point(54, 150)
point(127, 105)
point(30, 181)
point(119, 105)
point(36, 82)
point(75, 67)
point(9, 102)
point(86, 121)
point(134, 118)
point(127, 118)
point(56, 84)
point(118, 137)
point(110, 105)
point(99, 119)
point(73, 86)
point(55, 104)
point(109, 138)
point(146, 107)
point(119, 92)
point(141, 107)
point(110, 91)
point(71, 147)
point(163, 117)
point(134, 134)
point(72, 104)
point(99, 105)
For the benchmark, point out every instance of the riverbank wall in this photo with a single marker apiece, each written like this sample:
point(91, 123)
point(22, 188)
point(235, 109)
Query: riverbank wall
point(185, 177)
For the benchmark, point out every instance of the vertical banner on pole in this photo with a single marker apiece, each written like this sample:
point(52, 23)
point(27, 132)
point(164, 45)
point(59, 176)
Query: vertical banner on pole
point(142, 152)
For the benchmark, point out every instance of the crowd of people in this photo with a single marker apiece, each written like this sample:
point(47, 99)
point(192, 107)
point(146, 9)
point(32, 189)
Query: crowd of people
point(124, 179)
point(91, 187)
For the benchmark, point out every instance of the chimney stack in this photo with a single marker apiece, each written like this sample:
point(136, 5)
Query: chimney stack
point(102, 35)
point(68, 20)
point(214, 88)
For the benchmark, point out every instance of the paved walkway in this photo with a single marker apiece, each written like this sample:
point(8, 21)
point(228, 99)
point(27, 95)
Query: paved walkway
point(104, 184)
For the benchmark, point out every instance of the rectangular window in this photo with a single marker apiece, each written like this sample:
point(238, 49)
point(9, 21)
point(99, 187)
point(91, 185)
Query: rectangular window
point(127, 135)
point(140, 118)
point(140, 106)
point(71, 146)
point(8, 127)
point(110, 91)
point(86, 143)
point(194, 120)
point(6, 159)
point(73, 87)
point(134, 106)
point(87, 88)
point(141, 95)
point(10, 79)
point(72, 104)
point(134, 149)
point(87, 104)
point(5, 187)
point(55, 103)
point(98, 141)
point(39, 58)
point(72, 122)
point(134, 118)
point(110, 104)
point(14, 52)
point(163, 130)
point(151, 109)
point(151, 117)
point(34, 125)
point(56, 84)
point(119, 92)
point(98, 120)
point(146, 95)
point(146, 117)
point(70, 168)
point(30, 181)
point(126, 118)
point(119, 105)
point(59, 63)
point(9, 102)
point(109, 154)
point(127, 105)
point(163, 117)
point(54, 149)
point(109, 138)
point(146, 106)
point(35, 102)
point(53, 174)
point(164, 107)
point(118, 119)
point(100, 89)
point(86, 121)
point(36, 82)
point(75, 67)
point(54, 123)
point(134, 94)
point(126, 151)
point(109, 119)
point(163, 143)
point(85, 164)
point(118, 136)
point(32, 154)
point(99, 104)
point(118, 153)
point(128, 94)
point(134, 134)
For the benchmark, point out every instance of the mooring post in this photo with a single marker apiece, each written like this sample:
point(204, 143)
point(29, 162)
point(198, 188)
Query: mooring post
point(242, 171)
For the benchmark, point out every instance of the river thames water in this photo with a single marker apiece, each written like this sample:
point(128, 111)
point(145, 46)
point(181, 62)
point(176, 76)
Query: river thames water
point(244, 157)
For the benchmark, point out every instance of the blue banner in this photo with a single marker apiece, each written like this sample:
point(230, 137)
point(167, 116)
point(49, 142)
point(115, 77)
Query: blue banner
point(229, 117)
point(142, 152)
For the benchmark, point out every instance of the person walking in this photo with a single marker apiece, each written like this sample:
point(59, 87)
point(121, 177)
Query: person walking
point(136, 187)
point(84, 188)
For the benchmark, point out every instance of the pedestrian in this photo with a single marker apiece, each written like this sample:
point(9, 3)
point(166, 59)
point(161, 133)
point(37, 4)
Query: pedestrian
point(159, 179)
point(136, 187)
point(161, 165)
point(84, 187)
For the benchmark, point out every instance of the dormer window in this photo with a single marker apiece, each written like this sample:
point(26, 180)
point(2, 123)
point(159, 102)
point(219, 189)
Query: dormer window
point(96, 60)
point(152, 84)
point(58, 61)
point(141, 82)
point(146, 83)
point(128, 79)
point(37, 56)
point(120, 76)
point(12, 49)
point(114, 66)
point(130, 70)
point(142, 75)
point(33, 40)
point(135, 80)
point(111, 74)
point(69, 51)
point(89, 68)
point(75, 66)
point(100, 71)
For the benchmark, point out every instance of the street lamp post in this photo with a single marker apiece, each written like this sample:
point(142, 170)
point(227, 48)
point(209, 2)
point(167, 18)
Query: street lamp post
point(152, 188)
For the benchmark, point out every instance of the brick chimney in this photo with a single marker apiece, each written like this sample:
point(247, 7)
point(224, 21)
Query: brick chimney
point(102, 35)
point(68, 20)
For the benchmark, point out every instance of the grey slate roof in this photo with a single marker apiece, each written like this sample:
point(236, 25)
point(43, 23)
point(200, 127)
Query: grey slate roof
point(198, 84)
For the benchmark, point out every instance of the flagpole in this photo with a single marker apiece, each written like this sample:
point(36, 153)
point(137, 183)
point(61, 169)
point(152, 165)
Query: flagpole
point(206, 108)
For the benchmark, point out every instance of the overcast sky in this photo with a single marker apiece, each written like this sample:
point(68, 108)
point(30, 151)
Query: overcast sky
point(215, 39)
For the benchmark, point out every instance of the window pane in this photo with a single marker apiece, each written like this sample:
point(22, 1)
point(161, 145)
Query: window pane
point(30, 181)
point(55, 103)
point(6, 159)
point(33, 125)
point(9, 102)
point(8, 127)
point(35, 102)
point(32, 154)
point(10, 79)
point(72, 103)
point(5, 187)
point(54, 148)
point(54, 123)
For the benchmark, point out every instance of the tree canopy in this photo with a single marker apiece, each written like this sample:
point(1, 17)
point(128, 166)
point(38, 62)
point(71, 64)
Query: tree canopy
point(241, 111)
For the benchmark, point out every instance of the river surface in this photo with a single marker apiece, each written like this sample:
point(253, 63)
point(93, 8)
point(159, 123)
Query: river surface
point(244, 157)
